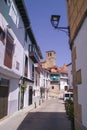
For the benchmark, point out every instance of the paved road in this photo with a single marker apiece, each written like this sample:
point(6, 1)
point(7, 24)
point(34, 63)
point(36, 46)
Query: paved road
point(49, 116)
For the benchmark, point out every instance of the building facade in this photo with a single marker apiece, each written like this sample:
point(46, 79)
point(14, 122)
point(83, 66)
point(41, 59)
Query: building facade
point(19, 52)
point(50, 58)
point(77, 17)
point(58, 75)
point(54, 82)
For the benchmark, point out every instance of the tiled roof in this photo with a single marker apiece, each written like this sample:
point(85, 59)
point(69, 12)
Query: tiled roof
point(56, 69)
point(63, 69)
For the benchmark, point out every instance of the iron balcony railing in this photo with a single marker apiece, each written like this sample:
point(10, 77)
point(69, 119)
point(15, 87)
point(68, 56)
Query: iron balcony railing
point(33, 53)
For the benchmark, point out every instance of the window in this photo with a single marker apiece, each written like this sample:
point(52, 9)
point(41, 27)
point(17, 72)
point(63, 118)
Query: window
point(52, 87)
point(32, 48)
point(36, 80)
point(66, 95)
point(13, 13)
point(32, 72)
point(4, 82)
point(66, 88)
point(7, 2)
point(17, 65)
point(54, 82)
point(49, 54)
point(9, 51)
point(78, 77)
point(2, 35)
point(26, 66)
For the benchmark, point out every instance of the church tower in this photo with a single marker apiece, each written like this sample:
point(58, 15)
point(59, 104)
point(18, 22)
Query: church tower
point(50, 58)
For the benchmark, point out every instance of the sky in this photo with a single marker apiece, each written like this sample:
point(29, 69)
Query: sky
point(47, 37)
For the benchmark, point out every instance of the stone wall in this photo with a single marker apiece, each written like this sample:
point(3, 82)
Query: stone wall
point(75, 10)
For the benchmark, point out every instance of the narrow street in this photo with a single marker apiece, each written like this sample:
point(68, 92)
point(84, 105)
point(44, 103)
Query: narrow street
point(49, 116)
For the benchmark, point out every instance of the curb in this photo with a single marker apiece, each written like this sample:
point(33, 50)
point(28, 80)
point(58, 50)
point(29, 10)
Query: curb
point(21, 112)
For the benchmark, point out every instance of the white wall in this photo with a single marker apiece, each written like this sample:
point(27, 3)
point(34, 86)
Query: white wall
point(26, 96)
point(81, 63)
point(63, 81)
point(18, 36)
point(21, 49)
point(13, 96)
point(30, 68)
point(18, 55)
point(41, 79)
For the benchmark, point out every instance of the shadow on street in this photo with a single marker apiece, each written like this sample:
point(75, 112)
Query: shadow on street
point(45, 121)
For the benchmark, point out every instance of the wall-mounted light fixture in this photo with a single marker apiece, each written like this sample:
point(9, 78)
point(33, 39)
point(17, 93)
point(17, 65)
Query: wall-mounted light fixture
point(20, 81)
point(55, 22)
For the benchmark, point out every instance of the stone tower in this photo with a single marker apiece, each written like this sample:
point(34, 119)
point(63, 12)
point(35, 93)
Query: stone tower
point(50, 59)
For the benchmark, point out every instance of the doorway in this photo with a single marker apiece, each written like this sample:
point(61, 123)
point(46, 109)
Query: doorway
point(30, 95)
point(4, 91)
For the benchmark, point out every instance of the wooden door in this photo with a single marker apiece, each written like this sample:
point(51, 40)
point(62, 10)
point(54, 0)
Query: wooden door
point(3, 101)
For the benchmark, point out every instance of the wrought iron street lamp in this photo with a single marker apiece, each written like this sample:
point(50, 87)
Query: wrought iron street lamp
point(55, 22)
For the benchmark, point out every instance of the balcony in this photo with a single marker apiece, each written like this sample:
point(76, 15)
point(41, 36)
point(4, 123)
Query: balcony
point(55, 77)
point(33, 53)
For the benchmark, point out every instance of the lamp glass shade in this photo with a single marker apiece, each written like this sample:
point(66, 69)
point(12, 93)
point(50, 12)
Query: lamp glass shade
point(55, 20)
